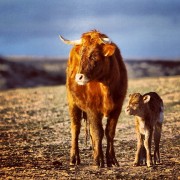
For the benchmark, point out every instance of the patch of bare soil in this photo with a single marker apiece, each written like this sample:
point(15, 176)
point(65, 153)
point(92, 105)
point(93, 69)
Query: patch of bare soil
point(35, 136)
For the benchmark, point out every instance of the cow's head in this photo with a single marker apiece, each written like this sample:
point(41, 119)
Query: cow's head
point(93, 50)
point(136, 104)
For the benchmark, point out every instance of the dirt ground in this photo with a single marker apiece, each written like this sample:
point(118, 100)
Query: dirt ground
point(35, 136)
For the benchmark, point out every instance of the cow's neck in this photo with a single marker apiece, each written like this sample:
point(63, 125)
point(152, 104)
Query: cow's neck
point(112, 76)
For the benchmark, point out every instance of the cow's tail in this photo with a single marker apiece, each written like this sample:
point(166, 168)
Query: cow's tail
point(87, 130)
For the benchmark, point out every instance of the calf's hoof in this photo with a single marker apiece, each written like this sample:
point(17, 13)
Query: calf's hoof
point(149, 164)
point(135, 164)
point(157, 162)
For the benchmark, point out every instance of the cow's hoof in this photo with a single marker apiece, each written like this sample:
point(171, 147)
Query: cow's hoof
point(99, 164)
point(112, 162)
point(74, 161)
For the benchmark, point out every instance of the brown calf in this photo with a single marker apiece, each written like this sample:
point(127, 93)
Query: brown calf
point(96, 87)
point(148, 112)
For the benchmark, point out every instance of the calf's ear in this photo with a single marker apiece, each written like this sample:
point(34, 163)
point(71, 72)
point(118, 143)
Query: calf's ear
point(146, 98)
point(108, 50)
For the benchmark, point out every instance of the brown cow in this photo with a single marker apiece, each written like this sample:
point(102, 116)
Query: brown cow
point(148, 112)
point(96, 87)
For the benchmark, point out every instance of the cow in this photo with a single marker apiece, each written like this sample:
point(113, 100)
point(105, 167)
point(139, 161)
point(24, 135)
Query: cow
point(148, 112)
point(96, 82)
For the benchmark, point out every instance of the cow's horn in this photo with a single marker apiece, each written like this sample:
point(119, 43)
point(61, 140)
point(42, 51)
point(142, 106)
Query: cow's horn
point(106, 40)
point(75, 42)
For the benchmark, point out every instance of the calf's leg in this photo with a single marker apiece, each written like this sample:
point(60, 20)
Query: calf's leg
point(157, 137)
point(147, 145)
point(139, 149)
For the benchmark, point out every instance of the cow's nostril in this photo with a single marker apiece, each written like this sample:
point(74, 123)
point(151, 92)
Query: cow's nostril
point(80, 77)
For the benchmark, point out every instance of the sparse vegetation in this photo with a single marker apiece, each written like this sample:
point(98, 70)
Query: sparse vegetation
point(35, 136)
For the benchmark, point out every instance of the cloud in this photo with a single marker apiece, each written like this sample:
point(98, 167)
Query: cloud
point(138, 22)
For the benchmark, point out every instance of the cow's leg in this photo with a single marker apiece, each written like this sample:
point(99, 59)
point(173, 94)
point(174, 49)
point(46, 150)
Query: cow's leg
point(75, 114)
point(157, 137)
point(147, 145)
point(97, 133)
point(110, 133)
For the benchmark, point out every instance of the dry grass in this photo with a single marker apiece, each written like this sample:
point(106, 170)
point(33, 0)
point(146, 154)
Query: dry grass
point(35, 136)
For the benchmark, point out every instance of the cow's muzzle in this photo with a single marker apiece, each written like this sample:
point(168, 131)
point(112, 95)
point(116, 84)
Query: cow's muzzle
point(81, 79)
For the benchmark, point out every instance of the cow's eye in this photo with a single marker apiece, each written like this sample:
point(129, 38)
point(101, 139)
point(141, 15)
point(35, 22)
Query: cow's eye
point(93, 58)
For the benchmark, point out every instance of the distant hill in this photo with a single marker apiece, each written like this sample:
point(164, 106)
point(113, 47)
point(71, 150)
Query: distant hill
point(17, 72)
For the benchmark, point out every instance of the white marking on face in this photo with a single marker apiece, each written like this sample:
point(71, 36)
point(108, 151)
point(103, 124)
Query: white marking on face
point(105, 118)
point(81, 83)
point(81, 79)
point(104, 121)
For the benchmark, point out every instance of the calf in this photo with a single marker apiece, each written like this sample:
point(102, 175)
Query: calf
point(148, 112)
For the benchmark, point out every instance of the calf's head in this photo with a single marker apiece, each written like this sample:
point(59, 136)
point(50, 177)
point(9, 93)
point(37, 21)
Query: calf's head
point(137, 104)
point(92, 52)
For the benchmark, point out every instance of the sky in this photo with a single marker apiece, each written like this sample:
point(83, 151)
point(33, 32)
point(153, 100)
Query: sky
point(140, 28)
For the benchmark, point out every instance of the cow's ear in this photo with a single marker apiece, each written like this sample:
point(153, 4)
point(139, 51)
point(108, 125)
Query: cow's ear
point(108, 49)
point(146, 98)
